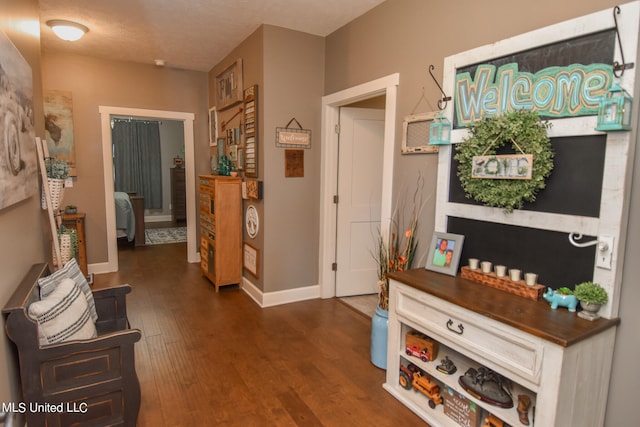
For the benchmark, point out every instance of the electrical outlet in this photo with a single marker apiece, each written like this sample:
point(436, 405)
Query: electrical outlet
point(68, 183)
point(605, 252)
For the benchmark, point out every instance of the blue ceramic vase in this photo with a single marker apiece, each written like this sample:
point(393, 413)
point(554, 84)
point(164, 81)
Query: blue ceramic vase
point(379, 337)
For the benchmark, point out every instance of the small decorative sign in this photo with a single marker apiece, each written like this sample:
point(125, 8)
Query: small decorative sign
point(460, 409)
point(250, 259)
point(294, 163)
point(293, 137)
point(509, 166)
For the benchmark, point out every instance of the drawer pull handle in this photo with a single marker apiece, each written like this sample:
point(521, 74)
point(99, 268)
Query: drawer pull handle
point(460, 327)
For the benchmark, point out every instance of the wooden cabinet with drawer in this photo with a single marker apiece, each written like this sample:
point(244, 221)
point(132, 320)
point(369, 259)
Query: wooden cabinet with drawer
point(560, 361)
point(178, 195)
point(220, 217)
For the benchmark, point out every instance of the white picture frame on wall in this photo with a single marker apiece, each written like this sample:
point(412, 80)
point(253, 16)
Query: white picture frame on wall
point(415, 134)
point(213, 127)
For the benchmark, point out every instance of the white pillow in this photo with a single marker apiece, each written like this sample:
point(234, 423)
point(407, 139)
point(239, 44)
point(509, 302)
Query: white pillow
point(70, 270)
point(63, 315)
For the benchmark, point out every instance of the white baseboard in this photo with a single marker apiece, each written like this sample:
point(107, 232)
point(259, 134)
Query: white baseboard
point(157, 218)
point(100, 268)
point(271, 299)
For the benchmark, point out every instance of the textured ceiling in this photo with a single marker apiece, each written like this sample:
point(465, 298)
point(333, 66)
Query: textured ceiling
point(187, 34)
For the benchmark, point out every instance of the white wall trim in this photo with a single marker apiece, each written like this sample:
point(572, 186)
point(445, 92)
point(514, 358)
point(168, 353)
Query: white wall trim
point(271, 299)
point(328, 167)
point(105, 117)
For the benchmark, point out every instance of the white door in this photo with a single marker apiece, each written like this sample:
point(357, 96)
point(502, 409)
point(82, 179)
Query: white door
point(360, 156)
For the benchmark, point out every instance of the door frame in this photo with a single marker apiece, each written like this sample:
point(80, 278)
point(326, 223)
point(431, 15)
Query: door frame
point(106, 112)
point(331, 104)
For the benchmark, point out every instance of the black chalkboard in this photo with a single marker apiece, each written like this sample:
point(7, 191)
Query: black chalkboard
point(546, 253)
point(574, 188)
point(575, 182)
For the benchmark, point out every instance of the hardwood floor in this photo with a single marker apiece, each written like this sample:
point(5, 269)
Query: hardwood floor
point(210, 359)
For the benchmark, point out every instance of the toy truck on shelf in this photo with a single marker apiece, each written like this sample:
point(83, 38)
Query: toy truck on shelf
point(412, 377)
point(421, 346)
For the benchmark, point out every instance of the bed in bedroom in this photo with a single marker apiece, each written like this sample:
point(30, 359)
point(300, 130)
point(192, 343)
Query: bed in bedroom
point(129, 217)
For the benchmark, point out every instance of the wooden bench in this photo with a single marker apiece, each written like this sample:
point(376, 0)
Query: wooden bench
point(94, 381)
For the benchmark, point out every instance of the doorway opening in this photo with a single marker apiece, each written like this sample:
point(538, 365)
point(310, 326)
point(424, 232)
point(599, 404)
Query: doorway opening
point(331, 105)
point(107, 113)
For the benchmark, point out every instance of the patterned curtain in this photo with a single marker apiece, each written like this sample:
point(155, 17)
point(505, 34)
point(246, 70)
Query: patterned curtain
point(137, 159)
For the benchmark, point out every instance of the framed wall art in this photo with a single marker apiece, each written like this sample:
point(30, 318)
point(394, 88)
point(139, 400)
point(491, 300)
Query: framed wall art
point(213, 127)
point(229, 86)
point(444, 253)
point(250, 259)
point(249, 158)
point(19, 171)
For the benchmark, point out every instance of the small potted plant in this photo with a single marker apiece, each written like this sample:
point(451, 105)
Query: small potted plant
point(591, 296)
point(70, 209)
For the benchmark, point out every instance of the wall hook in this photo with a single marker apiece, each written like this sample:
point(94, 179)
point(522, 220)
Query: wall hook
point(617, 67)
point(442, 103)
point(578, 236)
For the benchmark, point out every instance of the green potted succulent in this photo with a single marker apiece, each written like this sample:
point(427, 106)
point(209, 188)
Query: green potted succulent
point(70, 209)
point(591, 296)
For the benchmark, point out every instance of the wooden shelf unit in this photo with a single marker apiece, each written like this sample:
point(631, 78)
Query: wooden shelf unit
point(76, 222)
point(220, 212)
point(178, 195)
point(562, 362)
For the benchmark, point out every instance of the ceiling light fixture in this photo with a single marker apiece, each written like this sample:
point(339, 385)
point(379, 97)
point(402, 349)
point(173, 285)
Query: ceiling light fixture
point(67, 30)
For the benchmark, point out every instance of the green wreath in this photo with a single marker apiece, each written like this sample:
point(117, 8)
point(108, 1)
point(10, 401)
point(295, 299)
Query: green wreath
point(528, 134)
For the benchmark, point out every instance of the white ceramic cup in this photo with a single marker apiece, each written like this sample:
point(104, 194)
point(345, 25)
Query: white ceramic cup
point(501, 270)
point(486, 266)
point(473, 263)
point(530, 279)
point(514, 274)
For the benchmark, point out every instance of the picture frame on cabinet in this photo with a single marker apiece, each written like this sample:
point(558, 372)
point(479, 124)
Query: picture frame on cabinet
point(444, 253)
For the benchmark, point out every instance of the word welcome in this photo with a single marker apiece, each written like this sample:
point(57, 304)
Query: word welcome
point(573, 90)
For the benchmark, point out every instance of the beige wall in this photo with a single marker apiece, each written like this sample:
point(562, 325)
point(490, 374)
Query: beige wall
point(293, 75)
point(406, 36)
point(251, 50)
point(288, 67)
point(21, 225)
point(95, 82)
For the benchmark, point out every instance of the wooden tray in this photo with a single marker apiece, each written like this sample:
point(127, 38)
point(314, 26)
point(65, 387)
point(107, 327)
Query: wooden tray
point(504, 283)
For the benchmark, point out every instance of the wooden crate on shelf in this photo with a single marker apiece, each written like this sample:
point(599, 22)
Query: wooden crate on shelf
point(519, 288)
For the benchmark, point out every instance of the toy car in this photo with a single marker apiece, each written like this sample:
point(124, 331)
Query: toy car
point(420, 353)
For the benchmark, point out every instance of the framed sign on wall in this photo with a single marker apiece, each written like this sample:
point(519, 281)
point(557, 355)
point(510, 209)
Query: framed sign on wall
point(229, 86)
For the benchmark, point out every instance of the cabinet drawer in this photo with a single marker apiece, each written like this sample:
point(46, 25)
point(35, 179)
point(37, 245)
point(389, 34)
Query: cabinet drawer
point(490, 342)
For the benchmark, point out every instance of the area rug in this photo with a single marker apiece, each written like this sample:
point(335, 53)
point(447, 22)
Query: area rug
point(159, 236)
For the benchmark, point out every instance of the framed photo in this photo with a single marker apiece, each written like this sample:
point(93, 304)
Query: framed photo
point(229, 86)
point(444, 253)
point(415, 134)
point(213, 127)
point(250, 259)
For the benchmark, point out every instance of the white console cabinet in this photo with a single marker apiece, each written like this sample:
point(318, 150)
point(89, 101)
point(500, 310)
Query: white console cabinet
point(562, 362)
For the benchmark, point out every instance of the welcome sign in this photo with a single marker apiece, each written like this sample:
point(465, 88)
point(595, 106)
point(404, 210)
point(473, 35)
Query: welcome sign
point(573, 90)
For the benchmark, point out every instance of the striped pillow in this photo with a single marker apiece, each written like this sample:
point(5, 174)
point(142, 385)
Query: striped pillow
point(70, 270)
point(63, 315)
